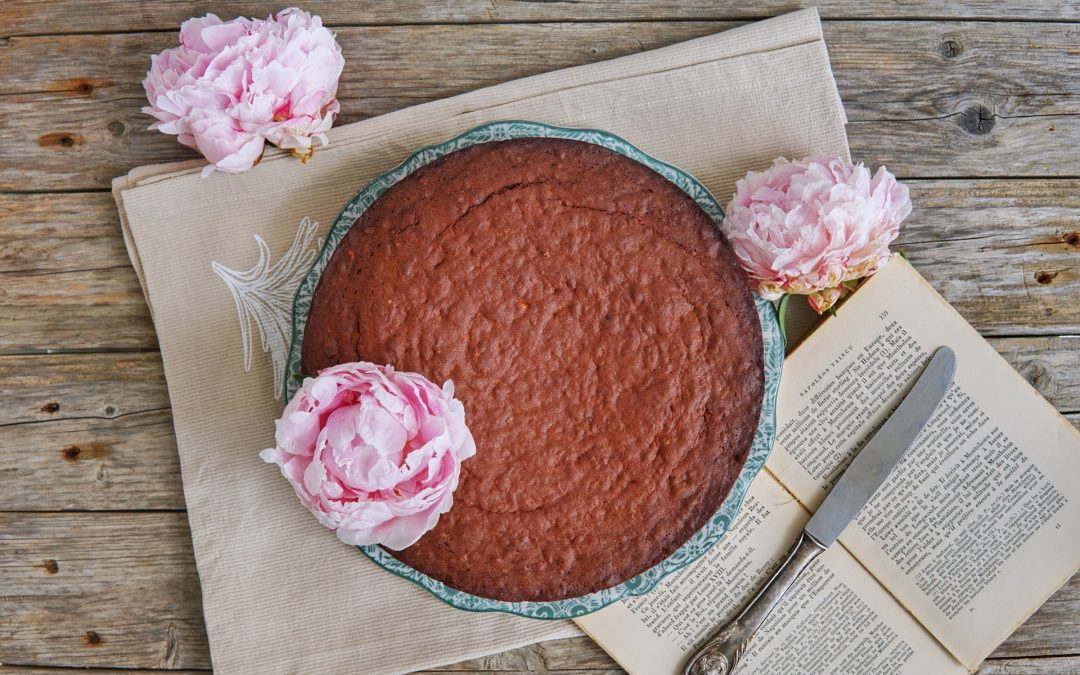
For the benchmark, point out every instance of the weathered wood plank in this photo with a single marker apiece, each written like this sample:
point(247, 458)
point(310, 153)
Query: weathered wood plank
point(65, 278)
point(573, 654)
point(1074, 419)
point(103, 589)
point(1024, 227)
point(36, 312)
point(1053, 629)
point(1053, 665)
point(126, 462)
point(50, 233)
point(517, 661)
point(1060, 665)
point(1006, 253)
point(1042, 361)
point(110, 445)
point(20, 17)
point(612, 671)
point(102, 561)
point(69, 143)
point(29, 670)
point(948, 99)
point(925, 98)
point(46, 388)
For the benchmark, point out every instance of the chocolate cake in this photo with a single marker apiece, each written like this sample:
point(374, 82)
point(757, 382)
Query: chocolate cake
point(597, 329)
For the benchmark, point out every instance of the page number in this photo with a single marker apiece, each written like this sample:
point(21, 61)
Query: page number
point(883, 315)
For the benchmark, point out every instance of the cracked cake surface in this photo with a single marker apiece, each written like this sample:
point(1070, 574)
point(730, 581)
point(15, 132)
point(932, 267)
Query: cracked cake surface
point(600, 334)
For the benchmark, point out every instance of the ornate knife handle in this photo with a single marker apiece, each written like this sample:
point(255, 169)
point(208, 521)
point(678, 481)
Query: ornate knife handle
point(722, 652)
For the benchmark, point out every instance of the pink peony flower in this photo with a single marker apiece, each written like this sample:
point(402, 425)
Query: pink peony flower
point(807, 227)
point(231, 86)
point(374, 454)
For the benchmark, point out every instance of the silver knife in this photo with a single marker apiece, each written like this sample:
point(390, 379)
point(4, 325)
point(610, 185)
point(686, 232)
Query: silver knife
point(721, 653)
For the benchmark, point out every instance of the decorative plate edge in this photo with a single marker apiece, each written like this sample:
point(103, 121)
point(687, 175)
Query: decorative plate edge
point(773, 346)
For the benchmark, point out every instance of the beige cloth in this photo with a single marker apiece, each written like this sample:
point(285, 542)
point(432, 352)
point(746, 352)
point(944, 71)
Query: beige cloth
point(280, 593)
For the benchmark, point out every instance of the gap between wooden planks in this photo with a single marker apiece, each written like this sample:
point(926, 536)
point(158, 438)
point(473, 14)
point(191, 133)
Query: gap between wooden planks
point(20, 17)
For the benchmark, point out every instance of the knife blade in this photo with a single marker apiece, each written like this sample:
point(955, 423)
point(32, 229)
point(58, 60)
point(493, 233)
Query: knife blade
point(870, 468)
point(876, 460)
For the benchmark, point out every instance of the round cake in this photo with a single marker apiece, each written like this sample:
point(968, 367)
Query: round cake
point(600, 334)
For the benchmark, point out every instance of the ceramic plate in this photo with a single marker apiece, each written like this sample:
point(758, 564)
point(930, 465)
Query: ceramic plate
point(770, 329)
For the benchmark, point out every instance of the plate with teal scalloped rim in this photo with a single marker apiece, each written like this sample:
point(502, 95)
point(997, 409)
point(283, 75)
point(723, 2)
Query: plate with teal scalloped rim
point(717, 526)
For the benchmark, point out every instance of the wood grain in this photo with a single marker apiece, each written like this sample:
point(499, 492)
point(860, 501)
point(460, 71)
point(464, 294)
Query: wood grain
point(573, 654)
point(125, 462)
point(1063, 665)
point(65, 278)
point(20, 17)
point(941, 99)
point(1042, 361)
point(1054, 665)
point(1006, 253)
point(98, 386)
point(1051, 630)
point(32, 670)
point(103, 589)
point(96, 428)
point(72, 576)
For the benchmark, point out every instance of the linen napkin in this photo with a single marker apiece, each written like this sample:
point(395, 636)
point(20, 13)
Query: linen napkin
point(219, 259)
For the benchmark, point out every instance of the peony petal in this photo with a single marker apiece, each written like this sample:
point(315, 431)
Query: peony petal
point(381, 430)
point(231, 85)
point(374, 454)
point(803, 227)
point(314, 476)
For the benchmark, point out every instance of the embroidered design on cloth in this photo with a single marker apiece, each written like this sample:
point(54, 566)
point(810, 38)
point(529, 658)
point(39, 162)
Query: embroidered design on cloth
point(264, 296)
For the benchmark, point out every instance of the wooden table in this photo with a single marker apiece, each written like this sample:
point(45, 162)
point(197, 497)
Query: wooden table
point(975, 104)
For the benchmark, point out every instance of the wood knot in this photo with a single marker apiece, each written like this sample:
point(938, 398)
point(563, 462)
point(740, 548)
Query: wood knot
point(172, 647)
point(1072, 238)
point(60, 139)
point(1036, 375)
point(1045, 277)
point(116, 128)
point(110, 410)
point(51, 566)
point(950, 49)
point(50, 407)
point(85, 451)
point(976, 119)
point(77, 86)
point(92, 638)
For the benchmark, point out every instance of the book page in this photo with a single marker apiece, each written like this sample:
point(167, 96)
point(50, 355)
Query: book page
point(978, 524)
point(835, 619)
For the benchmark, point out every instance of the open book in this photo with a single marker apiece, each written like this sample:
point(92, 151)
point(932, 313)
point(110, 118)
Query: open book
point(975, 528)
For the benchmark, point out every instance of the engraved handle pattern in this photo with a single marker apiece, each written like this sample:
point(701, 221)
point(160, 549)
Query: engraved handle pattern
point(721, 653)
